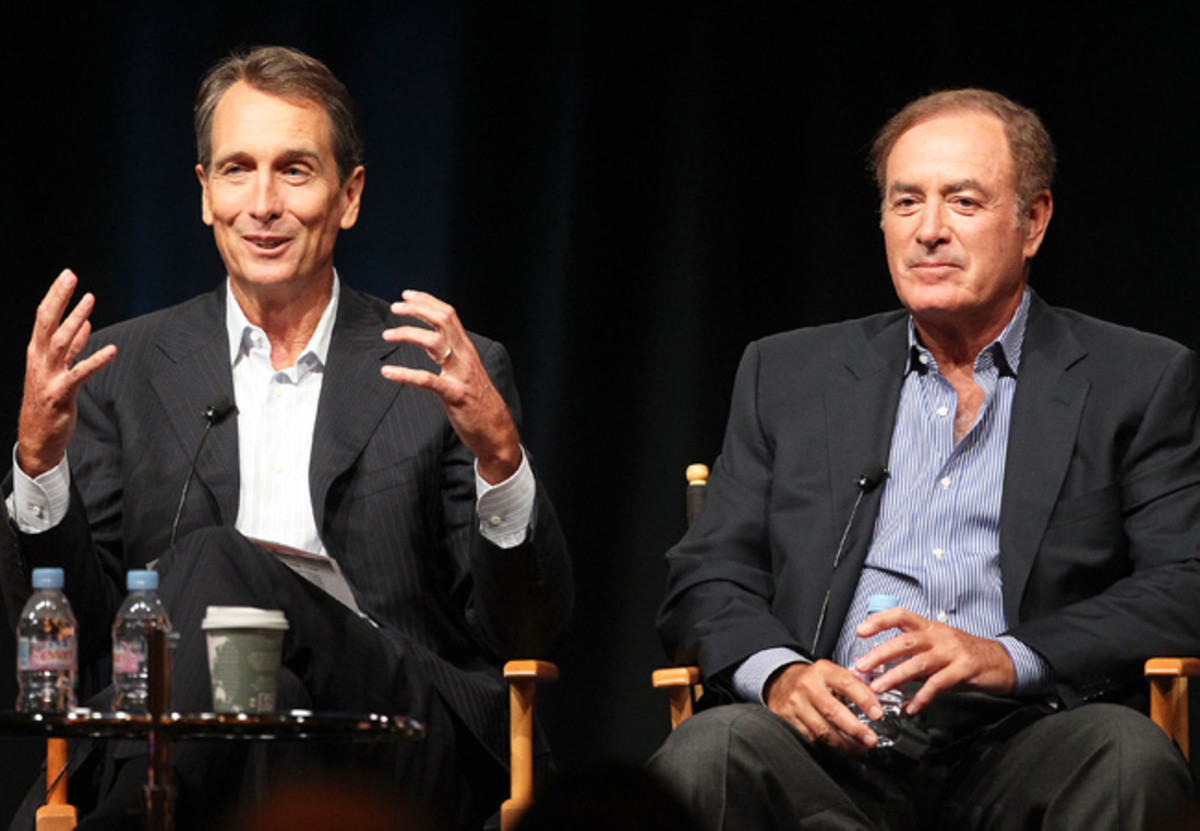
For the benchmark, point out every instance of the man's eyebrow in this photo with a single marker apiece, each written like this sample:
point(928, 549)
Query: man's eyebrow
point(961, 185)
point(949, 187)
point(299, 154)
point(292, 154)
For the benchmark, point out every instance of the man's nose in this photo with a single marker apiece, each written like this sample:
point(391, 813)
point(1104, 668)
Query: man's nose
point(266, 204)
point(933, 230)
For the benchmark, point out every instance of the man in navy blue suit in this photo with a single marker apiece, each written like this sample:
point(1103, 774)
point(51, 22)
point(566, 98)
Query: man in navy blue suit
point(1024, 480)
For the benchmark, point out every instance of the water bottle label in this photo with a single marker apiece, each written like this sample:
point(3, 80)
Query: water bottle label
point(45, 655)
point(129, 657)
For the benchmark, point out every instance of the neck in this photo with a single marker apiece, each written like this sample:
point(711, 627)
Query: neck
point(287, 316)
point(954, 342)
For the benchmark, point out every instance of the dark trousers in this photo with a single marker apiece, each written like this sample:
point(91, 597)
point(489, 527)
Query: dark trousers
point(333, 661)
point(1100, 766)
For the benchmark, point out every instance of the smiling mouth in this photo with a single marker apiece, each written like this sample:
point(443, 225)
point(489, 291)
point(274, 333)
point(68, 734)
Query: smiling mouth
point(266, 243)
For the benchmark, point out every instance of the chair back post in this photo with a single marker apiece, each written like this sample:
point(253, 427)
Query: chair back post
point(697, 479)
point(682, 684)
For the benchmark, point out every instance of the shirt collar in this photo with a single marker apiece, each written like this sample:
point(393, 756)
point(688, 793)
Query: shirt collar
point(1004, 351)
point(240, 330)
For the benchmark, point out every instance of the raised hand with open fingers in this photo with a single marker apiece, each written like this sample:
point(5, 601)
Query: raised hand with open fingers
point(53, 376)
point(476, 410)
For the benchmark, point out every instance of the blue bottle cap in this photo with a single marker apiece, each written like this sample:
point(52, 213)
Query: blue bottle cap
point(139, 580)
point(47, 578)
point(881, 603)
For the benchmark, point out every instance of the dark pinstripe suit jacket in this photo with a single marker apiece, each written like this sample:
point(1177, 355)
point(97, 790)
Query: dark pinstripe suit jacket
point(392, 486)
point(1100, 515)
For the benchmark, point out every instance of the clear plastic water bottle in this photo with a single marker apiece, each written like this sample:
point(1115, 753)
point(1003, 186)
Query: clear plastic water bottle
point(141, 613)
point(888, 727)
point(46, 649)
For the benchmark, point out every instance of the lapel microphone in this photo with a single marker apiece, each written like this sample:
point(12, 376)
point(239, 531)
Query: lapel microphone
point(214, 413)
point(869, 478)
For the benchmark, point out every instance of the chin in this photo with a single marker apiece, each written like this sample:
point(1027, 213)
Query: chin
point(269, 276)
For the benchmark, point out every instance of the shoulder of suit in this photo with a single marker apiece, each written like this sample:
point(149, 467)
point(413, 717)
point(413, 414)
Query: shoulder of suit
point(204, 307)
point(1102, 338)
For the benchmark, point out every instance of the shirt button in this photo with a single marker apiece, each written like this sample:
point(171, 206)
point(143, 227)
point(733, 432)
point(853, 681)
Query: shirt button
point(494, 521)
point(945, 482)
point(924, 359)
point(938, 552)
point(942, 411)
point(942, 617)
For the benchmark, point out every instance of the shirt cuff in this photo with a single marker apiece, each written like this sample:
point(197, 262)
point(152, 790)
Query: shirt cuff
point(37, 505)
point(506, 509)
point(752, 675)
point(1034, 676)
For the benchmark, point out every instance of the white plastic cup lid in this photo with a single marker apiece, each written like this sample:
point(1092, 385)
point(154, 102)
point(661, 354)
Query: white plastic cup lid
point(243, 617)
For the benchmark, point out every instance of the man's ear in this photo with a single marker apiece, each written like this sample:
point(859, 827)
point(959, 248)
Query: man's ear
point(352, 190)
point(1037, 218)
point(205, 208)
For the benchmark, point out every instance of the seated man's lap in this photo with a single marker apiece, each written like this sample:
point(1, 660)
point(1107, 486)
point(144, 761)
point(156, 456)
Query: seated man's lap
point(341, 661)
point(1106, 765)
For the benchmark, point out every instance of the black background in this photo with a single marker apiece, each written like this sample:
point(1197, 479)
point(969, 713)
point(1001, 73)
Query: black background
point(625, 194)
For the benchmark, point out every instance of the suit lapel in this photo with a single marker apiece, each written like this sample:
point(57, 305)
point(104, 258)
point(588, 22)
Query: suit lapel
point(1046, 412)
point(195, 374)
point(354, 396)
point(860, 406)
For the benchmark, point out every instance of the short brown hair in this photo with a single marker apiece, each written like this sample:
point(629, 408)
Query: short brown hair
point(1029, 144)
point(290, 74)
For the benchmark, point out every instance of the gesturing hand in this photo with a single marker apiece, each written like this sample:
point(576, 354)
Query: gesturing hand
point(53, 378)
point(476, 410)
point(812, 697)
point(942, 657)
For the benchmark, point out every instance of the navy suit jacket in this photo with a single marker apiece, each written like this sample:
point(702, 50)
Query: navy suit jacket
point(1100, 516)
point(392, 487)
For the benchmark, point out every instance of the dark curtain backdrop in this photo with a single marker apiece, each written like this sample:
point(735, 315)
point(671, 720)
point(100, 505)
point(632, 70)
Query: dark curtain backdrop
point(623, 193)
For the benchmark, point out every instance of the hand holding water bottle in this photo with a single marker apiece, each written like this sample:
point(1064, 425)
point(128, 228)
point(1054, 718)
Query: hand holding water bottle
point(935, 654)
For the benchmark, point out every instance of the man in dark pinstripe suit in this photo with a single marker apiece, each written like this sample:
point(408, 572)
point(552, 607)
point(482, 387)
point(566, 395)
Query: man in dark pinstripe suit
point(382, 436)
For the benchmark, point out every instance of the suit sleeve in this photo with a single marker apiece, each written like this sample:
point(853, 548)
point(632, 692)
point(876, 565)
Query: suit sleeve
point(517, 599)
point(720, 582)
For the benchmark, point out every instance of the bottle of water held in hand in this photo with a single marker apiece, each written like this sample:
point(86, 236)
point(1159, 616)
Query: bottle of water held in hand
point(888, 727)
point(46, 651)
point(141, 613)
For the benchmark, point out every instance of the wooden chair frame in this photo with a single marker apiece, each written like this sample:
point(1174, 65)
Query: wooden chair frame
point(523, 678)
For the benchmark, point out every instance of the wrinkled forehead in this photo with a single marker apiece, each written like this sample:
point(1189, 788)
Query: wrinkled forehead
point(958, 146)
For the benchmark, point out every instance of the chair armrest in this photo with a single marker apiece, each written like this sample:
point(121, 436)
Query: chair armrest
point(1168, 695)
point(523, 678)
point(1173, 666)
point(683, 690)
